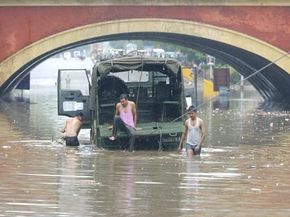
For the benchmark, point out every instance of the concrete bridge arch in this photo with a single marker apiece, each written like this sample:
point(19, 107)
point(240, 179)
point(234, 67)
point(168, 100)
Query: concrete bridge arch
point(247, 54)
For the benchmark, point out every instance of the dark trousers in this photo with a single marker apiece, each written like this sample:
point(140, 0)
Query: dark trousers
point(118, 123)
point(72, 141)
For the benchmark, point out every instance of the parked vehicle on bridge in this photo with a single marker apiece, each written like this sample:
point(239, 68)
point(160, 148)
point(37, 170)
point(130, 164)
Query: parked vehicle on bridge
point(154, 84)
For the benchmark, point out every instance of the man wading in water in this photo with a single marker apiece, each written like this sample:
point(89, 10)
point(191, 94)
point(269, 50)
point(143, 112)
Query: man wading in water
point(71, 130)
point(194, 132)
point(125, 119)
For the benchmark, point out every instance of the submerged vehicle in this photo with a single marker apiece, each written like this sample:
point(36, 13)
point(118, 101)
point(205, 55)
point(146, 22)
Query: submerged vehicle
point(154, 84)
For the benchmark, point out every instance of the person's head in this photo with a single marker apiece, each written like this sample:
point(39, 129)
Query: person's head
point(80, 116)
point(124, 99)
point(192, 112)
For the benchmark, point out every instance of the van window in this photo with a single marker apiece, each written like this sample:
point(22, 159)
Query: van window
point(133, 76)
point(75, 80)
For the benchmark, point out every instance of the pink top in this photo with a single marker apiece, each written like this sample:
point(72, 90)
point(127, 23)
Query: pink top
point(127, 116)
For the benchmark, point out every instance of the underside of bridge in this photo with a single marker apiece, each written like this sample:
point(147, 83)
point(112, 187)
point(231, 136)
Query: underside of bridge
point(270, 80)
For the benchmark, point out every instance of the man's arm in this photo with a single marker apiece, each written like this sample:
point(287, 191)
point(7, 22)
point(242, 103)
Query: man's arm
point(117, 112)
point(134, 110)
point(203, 132)
point(64, 128)
point(184, 134)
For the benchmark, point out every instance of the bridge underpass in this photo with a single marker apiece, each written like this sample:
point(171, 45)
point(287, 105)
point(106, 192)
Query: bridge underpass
point(271, 82)
point(248, 35)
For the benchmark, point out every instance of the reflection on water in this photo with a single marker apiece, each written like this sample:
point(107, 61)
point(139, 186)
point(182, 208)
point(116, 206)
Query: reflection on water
point(53, 180)
point(243, 169)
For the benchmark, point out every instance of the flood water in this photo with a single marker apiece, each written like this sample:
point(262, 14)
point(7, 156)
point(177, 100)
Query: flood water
point(243, 170)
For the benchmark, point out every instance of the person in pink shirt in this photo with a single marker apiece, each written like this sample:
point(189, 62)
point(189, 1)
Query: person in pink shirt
point(125, 119)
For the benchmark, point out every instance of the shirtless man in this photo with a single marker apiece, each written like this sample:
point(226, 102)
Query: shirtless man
point(125, 119)
point(71, 130)
point(194, 132)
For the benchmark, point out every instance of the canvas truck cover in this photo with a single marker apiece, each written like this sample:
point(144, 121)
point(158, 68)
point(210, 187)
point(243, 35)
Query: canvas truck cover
point(169, 67)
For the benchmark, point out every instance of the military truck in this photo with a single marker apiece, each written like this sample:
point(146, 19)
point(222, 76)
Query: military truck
point(154, 84)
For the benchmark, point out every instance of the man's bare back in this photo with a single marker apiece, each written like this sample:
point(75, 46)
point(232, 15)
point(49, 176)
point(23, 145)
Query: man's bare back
point(72, 127)
point(71, 130)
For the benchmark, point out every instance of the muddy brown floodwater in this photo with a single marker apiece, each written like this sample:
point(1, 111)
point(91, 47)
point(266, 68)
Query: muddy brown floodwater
point(243, 170)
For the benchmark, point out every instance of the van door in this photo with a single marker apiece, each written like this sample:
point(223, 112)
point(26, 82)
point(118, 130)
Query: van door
point(74, 92)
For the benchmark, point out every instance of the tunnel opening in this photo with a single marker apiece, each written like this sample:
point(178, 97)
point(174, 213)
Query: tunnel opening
point(271, 82)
